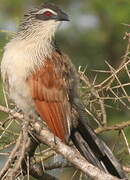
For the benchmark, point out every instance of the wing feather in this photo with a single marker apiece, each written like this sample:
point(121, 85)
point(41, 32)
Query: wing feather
point(49, 90)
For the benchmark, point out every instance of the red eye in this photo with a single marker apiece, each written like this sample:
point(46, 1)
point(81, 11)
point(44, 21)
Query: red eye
point(48, 13)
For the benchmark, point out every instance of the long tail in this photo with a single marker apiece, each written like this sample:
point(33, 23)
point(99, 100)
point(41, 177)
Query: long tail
point(95, 150)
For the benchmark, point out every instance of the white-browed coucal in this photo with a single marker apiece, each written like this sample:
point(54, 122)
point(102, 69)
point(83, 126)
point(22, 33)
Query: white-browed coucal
point(42, 81)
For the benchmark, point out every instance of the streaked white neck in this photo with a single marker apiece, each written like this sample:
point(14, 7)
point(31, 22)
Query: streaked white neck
point(29, 49)
point(37, 40)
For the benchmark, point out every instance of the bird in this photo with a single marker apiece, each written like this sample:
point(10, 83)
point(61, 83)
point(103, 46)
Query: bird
point(42, 81)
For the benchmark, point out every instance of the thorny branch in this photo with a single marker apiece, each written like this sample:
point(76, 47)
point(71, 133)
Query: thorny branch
point(44, 136)
point(70, 154)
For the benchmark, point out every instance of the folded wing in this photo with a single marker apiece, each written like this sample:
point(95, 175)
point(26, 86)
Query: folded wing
point(49, 90)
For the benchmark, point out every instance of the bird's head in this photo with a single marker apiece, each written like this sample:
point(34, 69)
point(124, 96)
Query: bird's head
point(43, 20)
point(50, 12)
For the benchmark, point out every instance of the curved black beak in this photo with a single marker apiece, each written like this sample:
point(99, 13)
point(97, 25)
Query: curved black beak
point(63, 16)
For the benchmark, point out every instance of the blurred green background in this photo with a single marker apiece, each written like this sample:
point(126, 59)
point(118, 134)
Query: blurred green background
point(94, 35)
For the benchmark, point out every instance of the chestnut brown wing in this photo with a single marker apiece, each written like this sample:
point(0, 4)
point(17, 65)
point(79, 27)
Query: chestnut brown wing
point(49, 89)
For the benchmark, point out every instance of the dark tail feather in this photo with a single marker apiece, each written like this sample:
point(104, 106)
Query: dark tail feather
point(95, 150)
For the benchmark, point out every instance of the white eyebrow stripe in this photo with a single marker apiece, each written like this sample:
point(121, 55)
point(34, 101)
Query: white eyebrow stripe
point(46, 9)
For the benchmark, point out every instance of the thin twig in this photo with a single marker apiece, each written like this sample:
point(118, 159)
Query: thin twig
point(11, 157)
point(125, 139)
point(114, 127)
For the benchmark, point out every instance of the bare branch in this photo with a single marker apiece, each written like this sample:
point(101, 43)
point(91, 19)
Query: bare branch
point(114, 127)
point(73, 156)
